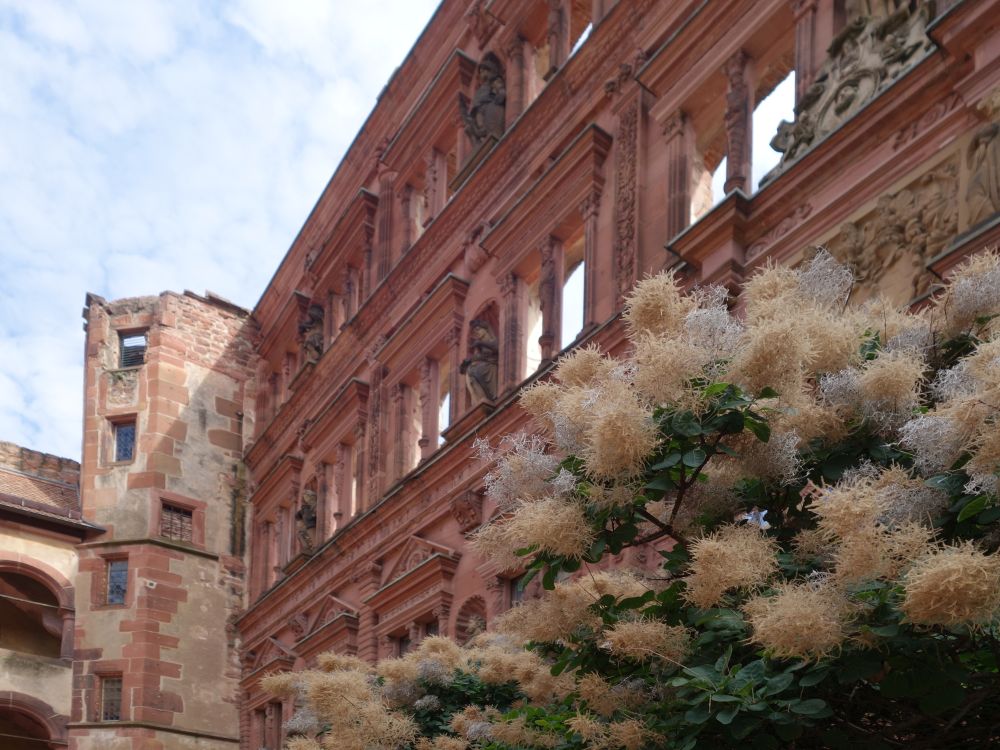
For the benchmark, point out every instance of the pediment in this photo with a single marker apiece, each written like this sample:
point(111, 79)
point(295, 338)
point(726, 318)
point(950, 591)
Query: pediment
point(271, 651)
point(414, 551)
point(330, 608)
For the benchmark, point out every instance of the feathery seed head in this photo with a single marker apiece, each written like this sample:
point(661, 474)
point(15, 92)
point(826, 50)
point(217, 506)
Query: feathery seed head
point(953, 587)
point(656, 306)
point(799, 622)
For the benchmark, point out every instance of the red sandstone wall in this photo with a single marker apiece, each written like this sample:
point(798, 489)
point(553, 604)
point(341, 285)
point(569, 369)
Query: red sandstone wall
point(170, 641)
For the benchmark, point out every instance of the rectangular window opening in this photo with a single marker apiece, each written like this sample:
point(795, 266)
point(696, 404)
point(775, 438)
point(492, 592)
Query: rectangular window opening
point(176, 523)
point(124, 433)
point(111, 699)
point(117, 581)
point(131, 349)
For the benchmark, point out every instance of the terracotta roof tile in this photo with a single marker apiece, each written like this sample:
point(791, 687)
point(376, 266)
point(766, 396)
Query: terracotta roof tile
point(64, 497)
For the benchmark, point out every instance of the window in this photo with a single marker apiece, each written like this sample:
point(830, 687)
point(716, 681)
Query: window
point(117, 581)
point(111, 699)
point(124, 433)
point(176, 523)
point(572, 305)
point(131, 349)
point(777, 106)
point(444, 416)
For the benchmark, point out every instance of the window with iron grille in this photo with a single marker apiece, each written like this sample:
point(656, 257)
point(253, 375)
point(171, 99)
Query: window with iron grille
point(131, 349)
point(175, 523)
point(117, 581)
point(124, 441)
point(111, 699)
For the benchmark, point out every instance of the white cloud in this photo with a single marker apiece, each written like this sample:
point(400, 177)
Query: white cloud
point(162, 144)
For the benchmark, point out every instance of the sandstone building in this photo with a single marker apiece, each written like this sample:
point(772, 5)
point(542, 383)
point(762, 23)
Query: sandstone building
point(277, 483)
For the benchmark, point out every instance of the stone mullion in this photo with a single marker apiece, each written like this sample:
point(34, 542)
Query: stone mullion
point(739, 122)
point(357, 471)
point(515, 79)
point(454, 342)
point(558, 35)
point(406, 210)
point(805, 45)
point(589, 210)
point(386, 201)
point(368, 618)
point(550, 289)
point(677, 131)
point(512, 346)
point(398, 429)
point(428, 407)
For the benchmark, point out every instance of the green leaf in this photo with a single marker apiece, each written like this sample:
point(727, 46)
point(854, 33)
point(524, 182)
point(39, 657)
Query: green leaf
point(726, 698)
point(685, 423)
point(973, 508)
point(698, 714)
point(694, 458)
point(671, 460)
point(767, 393)
point(726, 715)
point(810, 707)
point(549, 579)
point(812, 678)
point(761, 429)
point(989, 515)
point(780, 682)
point(662, 482)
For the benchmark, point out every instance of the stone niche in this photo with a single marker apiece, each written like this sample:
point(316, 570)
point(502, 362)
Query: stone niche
point(122, 387)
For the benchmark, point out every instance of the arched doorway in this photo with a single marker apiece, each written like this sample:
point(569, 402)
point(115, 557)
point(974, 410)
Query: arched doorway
point(30, 618)
point(28, 723)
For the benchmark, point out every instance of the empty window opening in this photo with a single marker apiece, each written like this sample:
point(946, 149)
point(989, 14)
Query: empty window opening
point(124, 435)
point(582, 38)
point(719, 182)
point(176, 523)
point(111, 699)
point(571, 324)
point(131, 349)
point(444, 416)
point(533, 326)
point(776, 106)
point(117, 581)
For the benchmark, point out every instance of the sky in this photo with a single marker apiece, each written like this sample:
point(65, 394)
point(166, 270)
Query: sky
point(163, 144)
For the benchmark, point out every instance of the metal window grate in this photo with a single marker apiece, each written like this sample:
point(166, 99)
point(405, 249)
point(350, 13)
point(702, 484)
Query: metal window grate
point(131, 349)
point(117, 581)
point(111, 698)
point(175, 523)
point(124, 441)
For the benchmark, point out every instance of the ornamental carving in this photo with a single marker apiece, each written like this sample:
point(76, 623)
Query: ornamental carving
point(882, 41)
point(480, 367)
point(893, 243)
point(783, 227)
point(305, 521)
point(481, 22)
point(983, 192)
point(311, 333)
point(467, 508)
point(483, 115)
point(625, 200)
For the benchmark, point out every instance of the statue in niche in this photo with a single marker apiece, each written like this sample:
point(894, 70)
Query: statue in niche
point(983, 194)
point(311, 333)
point(480, 369)
point(483, 116)
point(305, 521)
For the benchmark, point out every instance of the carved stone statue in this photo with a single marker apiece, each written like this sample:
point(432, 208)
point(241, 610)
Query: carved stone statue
point(484, 115)
point(305, 521)
point(983, 196)
point(480, 369)
point(311, 333)
point(880, 41)
point(467, 509)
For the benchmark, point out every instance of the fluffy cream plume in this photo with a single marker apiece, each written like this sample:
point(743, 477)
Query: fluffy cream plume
point(984, 465)
point(772, 284)
point(904, 498)
point(584, 366)
point(656, 306)
point(849, 507)
point(983, 365)
point(643, 640)
point(889, 388)
point(333, 662)
point(302, 743)
point(571, 418)
point(935, 439)
point(664, 370)
point(973, 292)
point(731, 557)
point(592, 731)
point(775, 355)
point(599, 695)
point(631, 734)
point(552, 525)
point(953, 587)
point(621, 433)
point(540, 400)
point(496, 542)
point(798, 622)
point(521, 468)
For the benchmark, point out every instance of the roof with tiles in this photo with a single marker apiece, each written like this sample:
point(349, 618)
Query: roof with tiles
point(39, 481)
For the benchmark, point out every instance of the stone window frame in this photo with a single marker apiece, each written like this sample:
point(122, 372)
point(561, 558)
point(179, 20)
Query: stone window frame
point(129, 333)
point(198, 509)
point(105, 682)
point(108, 670)
point(113, 421)
point(99, 583)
